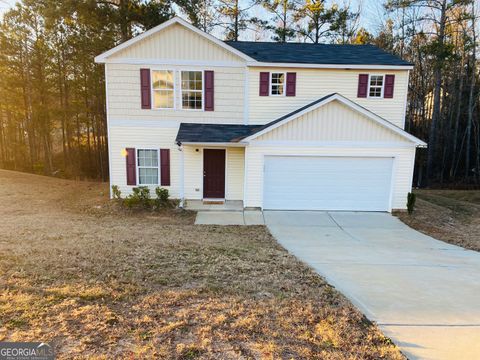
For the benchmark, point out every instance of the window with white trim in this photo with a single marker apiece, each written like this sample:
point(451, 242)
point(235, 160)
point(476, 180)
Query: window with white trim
point(277, 84)
point(192, 90)
point(163, 89)
point(147, 165)
point(375, 86)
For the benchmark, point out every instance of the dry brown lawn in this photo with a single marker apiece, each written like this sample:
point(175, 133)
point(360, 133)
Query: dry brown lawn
point(99, 282)
point(449, 215)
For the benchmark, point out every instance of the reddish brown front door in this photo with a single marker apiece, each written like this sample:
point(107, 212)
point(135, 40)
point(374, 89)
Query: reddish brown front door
point(214, 173)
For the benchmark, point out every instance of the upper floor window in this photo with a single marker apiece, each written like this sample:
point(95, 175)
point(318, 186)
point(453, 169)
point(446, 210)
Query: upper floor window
point(147, 165)
point(277, 84)
point(163, 89)
point(192, 90)
point(375, 88)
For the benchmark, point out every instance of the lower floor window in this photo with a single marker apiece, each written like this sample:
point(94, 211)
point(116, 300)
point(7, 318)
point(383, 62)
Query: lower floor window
point(147, 162)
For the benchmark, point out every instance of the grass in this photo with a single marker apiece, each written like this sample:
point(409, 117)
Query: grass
point(100, 282)
point(449, 215)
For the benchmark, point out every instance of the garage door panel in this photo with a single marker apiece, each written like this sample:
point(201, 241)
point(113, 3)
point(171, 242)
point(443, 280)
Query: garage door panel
point(327, 183)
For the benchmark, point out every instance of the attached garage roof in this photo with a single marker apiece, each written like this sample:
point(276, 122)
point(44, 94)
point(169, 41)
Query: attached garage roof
point(325, 100)
point(226, 133)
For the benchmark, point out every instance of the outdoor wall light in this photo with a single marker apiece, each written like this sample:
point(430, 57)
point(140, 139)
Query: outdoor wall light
point(124, 152)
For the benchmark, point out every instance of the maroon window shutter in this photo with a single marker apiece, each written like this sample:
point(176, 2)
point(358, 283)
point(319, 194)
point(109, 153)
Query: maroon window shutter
point(362, 85)
point(165, 167)
point(389, 85)
point(264, 83)
point(208, 89)
point(291, 83)
point(145, 88)
point(131, 167)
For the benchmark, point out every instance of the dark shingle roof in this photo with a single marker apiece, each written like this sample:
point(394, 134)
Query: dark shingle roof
point(307, 53)
point(224, 133)
point(192, 132)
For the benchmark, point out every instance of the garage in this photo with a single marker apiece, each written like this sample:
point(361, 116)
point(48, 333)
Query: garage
point(327, 183)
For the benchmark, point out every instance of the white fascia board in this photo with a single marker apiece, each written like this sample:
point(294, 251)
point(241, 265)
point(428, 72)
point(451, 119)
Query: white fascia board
point(329, 66)
point(215, 144)
point(350, 104)
point(333, 144)
point(176, 20)
point(193, 63)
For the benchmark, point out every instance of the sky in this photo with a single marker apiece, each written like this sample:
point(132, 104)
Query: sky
point(5, 5)
point(372, 13)
point(371, 10)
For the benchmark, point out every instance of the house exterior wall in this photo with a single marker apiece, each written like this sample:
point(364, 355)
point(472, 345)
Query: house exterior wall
point(148, 137)
point(402, 166)
point(331, 130)
point(124, 101)
point(142, 137)
point(312, 84)
point(331, 122)
point(177, 43)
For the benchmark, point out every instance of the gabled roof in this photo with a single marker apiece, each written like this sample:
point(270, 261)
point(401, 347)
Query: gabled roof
point(176, 20)
point(213, 133)
point(226, 133)
point(285, 54)
point(323, 101)
point(307, 53)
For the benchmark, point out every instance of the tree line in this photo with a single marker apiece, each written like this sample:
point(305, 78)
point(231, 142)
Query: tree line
point(52, 101)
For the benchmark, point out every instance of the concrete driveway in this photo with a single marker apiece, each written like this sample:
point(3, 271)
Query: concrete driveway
point(423, 293)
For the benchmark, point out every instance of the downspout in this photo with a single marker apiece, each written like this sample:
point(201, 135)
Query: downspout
point(182, 174)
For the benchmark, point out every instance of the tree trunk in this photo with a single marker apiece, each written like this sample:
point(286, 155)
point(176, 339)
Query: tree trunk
point(471, 101)
point(437, 91)
point(456, 126)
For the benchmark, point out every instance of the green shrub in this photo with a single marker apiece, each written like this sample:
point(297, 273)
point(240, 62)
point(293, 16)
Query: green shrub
point(411, 199)
point(140, 196)
point(117, 194)
point(162, 194)
point(130, 201)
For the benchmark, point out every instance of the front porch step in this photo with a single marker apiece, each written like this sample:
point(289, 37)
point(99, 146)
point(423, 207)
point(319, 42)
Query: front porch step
point(215, 205)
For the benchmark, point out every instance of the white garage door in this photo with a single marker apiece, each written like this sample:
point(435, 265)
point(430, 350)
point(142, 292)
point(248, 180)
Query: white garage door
point(327, 183)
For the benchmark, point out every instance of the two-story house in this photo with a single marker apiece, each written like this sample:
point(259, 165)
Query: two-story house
point(292, 126)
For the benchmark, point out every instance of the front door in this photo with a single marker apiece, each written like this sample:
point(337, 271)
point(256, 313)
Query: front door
point(214, 173)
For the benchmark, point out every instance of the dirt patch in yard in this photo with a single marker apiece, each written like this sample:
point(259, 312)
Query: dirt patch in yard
point(98, 283)
point(452, 216)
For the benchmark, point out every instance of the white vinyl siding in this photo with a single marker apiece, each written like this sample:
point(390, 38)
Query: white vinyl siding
point(124, 96)
point(235, 173)
point(312, 84)
point(177, 43)
point(122, 137)
point(332, 122)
